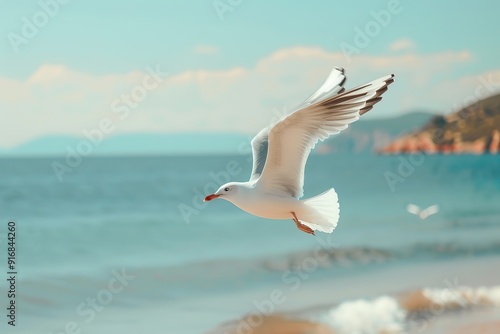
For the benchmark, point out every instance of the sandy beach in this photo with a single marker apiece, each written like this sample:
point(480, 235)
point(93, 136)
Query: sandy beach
point(449, 309)
point(416, 305)
point(272, 324)
point(281, 325)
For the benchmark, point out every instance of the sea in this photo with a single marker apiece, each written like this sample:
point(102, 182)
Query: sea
point(127, 245)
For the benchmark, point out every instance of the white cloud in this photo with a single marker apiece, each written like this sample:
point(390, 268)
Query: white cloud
point(456, 94)
point(59, 100)
point(402, 44)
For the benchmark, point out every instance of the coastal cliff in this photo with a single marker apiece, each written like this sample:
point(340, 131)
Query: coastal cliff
point(474, 129)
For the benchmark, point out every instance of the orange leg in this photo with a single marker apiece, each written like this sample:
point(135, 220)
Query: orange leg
point(301, 226)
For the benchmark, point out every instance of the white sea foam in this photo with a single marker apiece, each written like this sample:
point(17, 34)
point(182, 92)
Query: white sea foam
point(368, 316)
point(464, 296)
point(385, 315)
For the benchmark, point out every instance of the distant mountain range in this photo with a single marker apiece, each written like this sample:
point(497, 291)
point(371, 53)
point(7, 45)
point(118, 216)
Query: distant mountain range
point(473, 129)
point(370, 135)
point(132, 144)
point(364, 135)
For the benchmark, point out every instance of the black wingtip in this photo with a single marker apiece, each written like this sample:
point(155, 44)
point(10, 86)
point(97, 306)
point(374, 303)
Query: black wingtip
point(390, 80)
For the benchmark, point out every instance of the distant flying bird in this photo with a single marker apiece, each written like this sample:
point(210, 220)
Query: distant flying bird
point(422, 214)
point(280, 153)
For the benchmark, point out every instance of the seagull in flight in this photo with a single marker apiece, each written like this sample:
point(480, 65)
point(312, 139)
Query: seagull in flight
point(422, 213)
point(280, 153)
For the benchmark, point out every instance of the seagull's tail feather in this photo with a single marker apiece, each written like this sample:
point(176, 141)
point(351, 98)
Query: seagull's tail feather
point(322, 213)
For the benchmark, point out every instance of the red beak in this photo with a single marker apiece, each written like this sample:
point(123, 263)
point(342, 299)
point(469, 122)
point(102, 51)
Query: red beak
point(211, 197)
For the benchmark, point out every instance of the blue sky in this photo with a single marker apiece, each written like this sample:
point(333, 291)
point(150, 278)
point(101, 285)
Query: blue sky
point(262, 56)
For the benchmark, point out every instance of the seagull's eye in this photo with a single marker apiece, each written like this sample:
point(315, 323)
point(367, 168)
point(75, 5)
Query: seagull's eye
point(226, 189)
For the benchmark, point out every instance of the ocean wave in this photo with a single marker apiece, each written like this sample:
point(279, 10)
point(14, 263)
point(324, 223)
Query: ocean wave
point(227, 275)
point(328, 258)
point(346, 257)
point(382, 314)
point(406, 313)
point(464, 296)
point(228, 269)
point(411, 312)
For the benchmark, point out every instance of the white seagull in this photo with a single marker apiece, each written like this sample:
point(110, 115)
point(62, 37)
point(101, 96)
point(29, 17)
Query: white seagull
point(422, 213)
point(280, 153)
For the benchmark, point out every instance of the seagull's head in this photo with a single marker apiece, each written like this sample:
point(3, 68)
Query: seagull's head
point(227, 191)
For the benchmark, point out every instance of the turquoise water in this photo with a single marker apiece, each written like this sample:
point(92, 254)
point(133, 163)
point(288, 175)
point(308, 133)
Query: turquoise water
point(145, 215)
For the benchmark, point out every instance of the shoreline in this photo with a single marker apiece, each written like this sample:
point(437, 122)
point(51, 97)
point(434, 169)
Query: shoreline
point(391, 300)
point(418, 311)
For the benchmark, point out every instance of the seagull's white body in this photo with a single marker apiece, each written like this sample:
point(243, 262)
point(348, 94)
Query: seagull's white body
point(255, 200)
point(422, 213)
point(280, 153)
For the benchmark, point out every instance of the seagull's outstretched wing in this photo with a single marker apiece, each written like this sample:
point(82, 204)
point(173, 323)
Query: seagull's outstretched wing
point(332, 86)
point(259, 152)
point(433, 209)
point(414, 209)
point(291, 139)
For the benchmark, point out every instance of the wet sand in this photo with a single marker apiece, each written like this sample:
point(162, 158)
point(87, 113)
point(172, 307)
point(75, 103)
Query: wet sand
point(274, 324)
point(484, 328)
